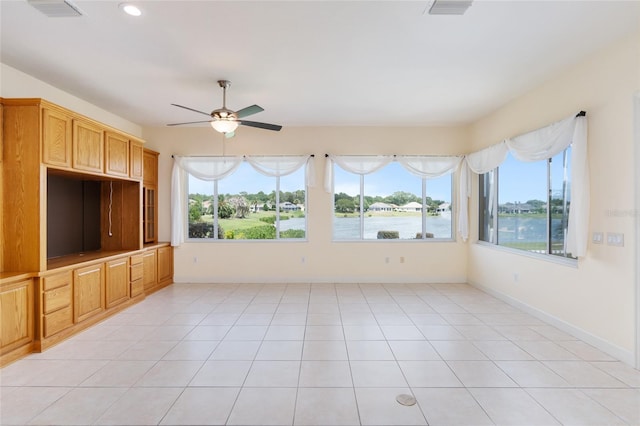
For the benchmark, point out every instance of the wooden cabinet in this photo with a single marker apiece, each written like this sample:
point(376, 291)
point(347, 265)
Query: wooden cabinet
point(56, 137)
point(50, 153)
point(150, 198)
point(116, 282)
point(136, 274)
point(150, 167)
point(149, 214)
point(165, 265)
point(88, 146)
point(16, 312)
point(136, 162)
point(57, 308)
point(88, 292)
point(150, 269)
point(116, 153)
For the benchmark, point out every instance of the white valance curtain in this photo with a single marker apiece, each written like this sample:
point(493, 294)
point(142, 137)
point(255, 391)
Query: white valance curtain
point(217, 168)
point(358, 164)
point(535, 146)
point(422, 166)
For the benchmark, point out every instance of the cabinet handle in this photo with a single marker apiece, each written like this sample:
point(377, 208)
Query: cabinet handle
point(89, 272)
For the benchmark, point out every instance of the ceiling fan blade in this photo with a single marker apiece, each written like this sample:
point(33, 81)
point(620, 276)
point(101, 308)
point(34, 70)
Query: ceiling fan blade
point(250, 110)
point(267, 126)
point(191, 109)
point(189, 122)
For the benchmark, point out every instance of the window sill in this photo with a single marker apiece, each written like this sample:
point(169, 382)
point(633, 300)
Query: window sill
point(398, 240)
point(539, 256)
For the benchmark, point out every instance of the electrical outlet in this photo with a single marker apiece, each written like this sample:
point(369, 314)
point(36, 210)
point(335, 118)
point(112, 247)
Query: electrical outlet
point(597, 238)
point(195, 259)
point(401, 259)
point(386, 260)
point(516, 277)
point(303, 259)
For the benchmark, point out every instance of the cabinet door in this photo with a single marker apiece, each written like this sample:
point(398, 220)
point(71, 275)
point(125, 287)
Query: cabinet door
point(16, 315)
point(149, 213)
point(88, 146)
point(149, 273)
point(135, 160)
point(117, 282)
point(88, 292)
point(165, 264)
point(150, 167)
point(56, 138)
point(116, 155)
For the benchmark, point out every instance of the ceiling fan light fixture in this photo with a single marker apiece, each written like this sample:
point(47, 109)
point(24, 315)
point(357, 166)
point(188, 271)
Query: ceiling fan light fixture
point(224, 126)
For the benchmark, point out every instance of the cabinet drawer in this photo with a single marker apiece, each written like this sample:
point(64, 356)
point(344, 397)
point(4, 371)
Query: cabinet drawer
point(58, 321)
point(55, 281)
point(136, 259)
point(56, 299)
point(137, 287)
point(136, 272)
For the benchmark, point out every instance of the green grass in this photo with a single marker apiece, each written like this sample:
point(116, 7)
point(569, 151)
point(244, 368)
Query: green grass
point(251, 221)
point(532, 245)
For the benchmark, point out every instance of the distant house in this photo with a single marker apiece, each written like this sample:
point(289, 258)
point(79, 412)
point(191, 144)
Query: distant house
point(411, 207)
point(515, 208)
point(444, 207)
point(289, 207)
point(380, 207)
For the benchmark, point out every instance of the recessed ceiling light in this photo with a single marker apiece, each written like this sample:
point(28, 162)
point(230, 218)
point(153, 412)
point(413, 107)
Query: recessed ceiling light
point(130, 9)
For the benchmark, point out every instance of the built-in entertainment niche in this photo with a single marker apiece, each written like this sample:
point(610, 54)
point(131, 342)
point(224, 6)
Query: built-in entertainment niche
point(89, 214)
point(73, 215)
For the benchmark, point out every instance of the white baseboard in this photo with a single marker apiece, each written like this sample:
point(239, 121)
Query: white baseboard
point(236, 279)
point(628, 357)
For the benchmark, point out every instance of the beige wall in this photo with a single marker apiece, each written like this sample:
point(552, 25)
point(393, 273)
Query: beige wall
point(16, 84)
point(325, 261)
point(596, 298)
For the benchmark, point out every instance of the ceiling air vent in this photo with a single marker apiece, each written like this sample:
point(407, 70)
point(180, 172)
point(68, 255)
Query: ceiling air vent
point(449, 7)
point(56, 8)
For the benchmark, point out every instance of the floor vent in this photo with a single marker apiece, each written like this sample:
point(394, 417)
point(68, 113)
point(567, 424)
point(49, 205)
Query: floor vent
point(56, 8)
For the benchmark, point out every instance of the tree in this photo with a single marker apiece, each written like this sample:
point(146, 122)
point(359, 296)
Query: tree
point(195, 212)
point(225, 210)
point(345, 205)
point(400, 198)
point(341, 196)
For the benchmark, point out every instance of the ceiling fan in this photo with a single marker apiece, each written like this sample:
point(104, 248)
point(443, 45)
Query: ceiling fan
point(225, 120)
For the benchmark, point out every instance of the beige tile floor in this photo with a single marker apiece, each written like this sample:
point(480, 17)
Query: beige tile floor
point(320, 354)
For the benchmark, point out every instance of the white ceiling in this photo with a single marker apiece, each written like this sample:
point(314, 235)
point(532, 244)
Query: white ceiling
point(308, 62)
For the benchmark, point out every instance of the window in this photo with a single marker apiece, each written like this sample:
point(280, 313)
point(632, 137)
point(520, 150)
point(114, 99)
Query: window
point(247, 205)
point(391, 203)
point(525, 206)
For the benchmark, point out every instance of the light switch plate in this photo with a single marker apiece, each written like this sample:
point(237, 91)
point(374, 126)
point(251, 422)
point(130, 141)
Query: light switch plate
point(597, 238)
point(615, 239)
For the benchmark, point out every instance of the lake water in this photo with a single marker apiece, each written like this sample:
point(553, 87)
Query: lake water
point(527, 229)
point(348, 228)
point(511, 229)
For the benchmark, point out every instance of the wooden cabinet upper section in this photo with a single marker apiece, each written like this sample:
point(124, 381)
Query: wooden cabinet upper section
point(77, 143)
